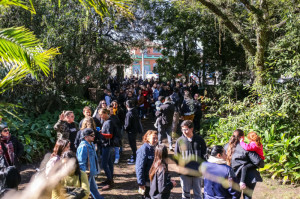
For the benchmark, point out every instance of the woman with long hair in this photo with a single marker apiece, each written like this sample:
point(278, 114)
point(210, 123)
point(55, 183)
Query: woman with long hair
point(76, 179)
point(118, 115)
point(237, 158)
point(160, 179)
point(144, 160)
point(217, 173)
point(60, 147)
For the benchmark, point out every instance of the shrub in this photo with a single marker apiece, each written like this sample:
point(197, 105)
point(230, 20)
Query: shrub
point(274, 115)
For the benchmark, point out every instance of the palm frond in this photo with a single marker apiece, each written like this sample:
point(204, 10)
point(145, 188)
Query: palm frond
point(22, 4)
point(14, 76)
point(6, 107)
point(20, 47)
point(104, 7)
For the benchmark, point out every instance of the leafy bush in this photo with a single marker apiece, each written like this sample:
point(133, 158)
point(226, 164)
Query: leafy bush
point(274, 115)
point(37, 133)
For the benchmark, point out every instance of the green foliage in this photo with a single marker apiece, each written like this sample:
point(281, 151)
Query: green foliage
point(37, 133)
point(274, 116)
point(89, 47)
point(109, 8)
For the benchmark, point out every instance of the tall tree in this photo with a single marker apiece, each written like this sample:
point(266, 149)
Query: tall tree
point(252, 23)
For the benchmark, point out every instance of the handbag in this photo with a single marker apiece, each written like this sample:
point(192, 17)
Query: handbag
point(74, 192)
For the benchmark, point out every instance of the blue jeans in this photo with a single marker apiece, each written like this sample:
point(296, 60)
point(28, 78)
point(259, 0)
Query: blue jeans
point(117, 152)
point(108, 161)
point(93, 188)
point(141, 111)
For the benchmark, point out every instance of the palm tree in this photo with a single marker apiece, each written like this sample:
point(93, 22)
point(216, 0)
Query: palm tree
point(21, 53)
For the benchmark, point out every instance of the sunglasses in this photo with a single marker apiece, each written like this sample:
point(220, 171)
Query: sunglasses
point(92, 135)
point(5, 130)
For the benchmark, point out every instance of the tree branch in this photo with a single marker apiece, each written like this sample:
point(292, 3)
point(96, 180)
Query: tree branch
point(251, 8)
point(231, 27)
point(279, 25)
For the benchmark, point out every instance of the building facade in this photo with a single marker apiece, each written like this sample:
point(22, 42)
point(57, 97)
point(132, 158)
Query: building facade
point(151, 54)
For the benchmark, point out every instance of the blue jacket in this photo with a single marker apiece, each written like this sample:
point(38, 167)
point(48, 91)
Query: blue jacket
point(212, 189)
point(155, 94)
point(82, 157)
point(144, 160)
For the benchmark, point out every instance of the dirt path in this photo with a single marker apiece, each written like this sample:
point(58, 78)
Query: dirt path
point(126, 186)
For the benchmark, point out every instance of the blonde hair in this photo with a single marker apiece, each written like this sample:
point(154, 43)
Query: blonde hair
point(88, 122)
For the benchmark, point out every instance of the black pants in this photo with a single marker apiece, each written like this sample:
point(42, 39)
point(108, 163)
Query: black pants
point(132, 143)
point(244, 171)
point(147, 190)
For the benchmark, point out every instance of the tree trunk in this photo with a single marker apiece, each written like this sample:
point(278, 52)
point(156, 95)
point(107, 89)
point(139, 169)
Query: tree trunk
point(261, 45)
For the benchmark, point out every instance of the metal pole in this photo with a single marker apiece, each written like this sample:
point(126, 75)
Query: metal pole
point(143, 65)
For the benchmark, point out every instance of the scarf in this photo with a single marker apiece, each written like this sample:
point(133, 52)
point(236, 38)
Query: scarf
point(115, 110)
point(213, 159)
point(7, 150)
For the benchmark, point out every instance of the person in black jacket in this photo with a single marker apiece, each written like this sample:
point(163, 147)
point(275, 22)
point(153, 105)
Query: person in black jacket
point(114, 110)
point(11, 148)
point(163, 90)
point(237, 158)
point(10, 152)
point(165, 115)
point(108, 130)
point(145, 157)
point(160, 179)
point(177, 102)
point(190, 149)
point(132, 126)
point(198, 112)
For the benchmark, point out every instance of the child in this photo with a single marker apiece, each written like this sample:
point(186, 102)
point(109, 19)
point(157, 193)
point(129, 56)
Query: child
point(88, 122)
point(254, 145)
point(160, 179)
point(158, 103)
point(87, 112)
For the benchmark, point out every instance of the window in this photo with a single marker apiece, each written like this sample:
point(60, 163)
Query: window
point(147, 62)
point(156, 50)
point(147, 68)
point(136, 62)
point(136, 69)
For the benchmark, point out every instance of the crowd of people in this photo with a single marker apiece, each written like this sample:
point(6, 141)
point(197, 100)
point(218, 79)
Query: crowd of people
point(96, 144)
